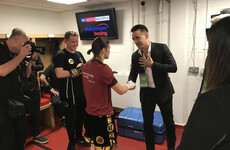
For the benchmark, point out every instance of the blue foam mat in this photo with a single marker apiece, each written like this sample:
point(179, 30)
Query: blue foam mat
point(130, 124)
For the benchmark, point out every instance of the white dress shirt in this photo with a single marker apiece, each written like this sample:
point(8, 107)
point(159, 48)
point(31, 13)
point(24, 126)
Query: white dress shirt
point(148, 70)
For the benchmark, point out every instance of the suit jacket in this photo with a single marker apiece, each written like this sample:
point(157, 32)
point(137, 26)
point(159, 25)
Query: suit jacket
point(163, 63)
point(208, 126)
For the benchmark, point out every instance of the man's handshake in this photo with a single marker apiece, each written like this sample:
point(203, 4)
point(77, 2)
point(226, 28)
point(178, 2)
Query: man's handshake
point(131, 85)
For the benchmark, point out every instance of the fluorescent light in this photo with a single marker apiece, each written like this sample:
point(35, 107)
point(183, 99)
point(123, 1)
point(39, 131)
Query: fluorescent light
point(67, 1)
point(7, 35)
point(51, 35)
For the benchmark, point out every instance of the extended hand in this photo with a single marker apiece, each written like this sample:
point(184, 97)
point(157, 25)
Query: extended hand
point(131, 85)
point(146, 62)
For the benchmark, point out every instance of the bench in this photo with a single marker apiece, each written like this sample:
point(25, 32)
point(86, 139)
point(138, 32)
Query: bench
point(47, 111)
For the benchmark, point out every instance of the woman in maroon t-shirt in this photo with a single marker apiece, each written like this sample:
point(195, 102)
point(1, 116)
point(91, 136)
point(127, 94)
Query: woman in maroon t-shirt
point(98, 79)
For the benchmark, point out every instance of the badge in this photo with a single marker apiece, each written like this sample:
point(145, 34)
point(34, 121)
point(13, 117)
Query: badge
point(99, 140)
point(71, 61)
point(143, 80)
point(65, 104)
point(110, 127)
point(81, 60)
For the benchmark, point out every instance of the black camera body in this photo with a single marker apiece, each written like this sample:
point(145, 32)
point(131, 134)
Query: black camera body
point(36, 48)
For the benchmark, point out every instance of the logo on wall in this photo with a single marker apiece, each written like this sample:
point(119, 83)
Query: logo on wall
point(99, 30)
point(95, 19)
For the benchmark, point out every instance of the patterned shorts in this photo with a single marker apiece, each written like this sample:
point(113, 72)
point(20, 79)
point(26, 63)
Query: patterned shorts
point(101, 131)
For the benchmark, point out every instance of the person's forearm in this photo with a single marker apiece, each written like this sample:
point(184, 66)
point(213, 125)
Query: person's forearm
point(120, 89)
point(43, 80)
point(60, 73)
point(9, 66)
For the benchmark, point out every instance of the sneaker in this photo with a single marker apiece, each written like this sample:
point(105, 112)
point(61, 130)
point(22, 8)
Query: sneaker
point(83, 141)
point(40, 139)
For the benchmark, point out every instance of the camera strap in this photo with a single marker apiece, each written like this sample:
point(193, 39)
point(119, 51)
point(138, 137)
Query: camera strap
point(20, 72)
point(12, 55)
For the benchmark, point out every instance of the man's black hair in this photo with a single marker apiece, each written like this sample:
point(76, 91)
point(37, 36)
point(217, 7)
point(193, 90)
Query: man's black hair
point(141, 27)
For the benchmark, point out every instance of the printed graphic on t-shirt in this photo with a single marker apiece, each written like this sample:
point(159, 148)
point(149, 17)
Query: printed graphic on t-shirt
point(89, 77)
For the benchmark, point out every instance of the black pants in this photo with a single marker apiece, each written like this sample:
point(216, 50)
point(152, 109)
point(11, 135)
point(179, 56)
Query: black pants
point(34, 110)
point(149, 98)
point(12, 131)
point(74, 116)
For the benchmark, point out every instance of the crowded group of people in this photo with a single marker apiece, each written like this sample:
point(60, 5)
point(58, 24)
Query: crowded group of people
point(82, 89)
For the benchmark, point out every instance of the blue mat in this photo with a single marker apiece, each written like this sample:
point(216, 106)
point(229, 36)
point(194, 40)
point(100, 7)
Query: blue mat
point(130, 124)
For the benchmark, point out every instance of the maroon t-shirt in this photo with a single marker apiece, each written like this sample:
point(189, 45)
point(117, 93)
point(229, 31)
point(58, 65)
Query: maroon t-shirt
point(97, 82)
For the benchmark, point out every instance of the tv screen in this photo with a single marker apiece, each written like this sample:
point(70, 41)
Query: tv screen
point(96, 23)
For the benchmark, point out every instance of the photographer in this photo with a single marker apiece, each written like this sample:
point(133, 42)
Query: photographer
point(34, 94)
point(12, 53)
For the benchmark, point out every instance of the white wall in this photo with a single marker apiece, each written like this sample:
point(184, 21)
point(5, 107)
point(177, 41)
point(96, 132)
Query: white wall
point(178, 42)
point(181, 27)
point(176, 32)
point(30, 20)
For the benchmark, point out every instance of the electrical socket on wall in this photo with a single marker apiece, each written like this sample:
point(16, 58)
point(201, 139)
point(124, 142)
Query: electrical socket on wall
point(194, 69)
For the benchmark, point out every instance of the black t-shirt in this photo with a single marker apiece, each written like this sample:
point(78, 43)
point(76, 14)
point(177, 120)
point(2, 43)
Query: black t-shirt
point(50, 73)
point(68, 61)
point(9, 85)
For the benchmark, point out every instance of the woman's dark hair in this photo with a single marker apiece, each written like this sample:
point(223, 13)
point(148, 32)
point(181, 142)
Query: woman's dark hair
point(218, 68)
point(98, 44)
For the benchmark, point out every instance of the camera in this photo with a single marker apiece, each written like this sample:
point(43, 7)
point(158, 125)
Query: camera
point(36, 48)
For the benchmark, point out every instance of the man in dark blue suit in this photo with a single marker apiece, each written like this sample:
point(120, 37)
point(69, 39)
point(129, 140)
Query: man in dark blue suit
point(152, 62)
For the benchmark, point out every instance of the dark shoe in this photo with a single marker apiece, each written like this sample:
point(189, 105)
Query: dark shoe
point(71, 146)
point(40, 139)
point(83, 141)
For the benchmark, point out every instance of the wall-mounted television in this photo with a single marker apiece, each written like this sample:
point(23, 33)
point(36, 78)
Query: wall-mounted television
point(96, 23)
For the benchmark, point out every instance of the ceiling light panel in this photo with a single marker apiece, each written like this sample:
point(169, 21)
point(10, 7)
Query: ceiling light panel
point(68, 2)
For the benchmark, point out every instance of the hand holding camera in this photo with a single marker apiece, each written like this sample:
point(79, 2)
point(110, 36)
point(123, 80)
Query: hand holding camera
point(33, 48)
point(76, 71)
point(131, 85)
point(25, 51)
